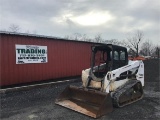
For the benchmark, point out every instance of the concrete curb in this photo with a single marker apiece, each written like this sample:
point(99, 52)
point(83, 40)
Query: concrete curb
point(29, 87)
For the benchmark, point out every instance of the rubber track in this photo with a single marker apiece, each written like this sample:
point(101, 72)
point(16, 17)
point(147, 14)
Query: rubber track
point(121, 90)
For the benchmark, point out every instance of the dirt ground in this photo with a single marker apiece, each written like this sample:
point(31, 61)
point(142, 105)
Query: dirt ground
point(38, 103)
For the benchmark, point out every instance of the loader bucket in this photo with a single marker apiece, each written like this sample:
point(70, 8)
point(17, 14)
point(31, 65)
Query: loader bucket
point(88, 102)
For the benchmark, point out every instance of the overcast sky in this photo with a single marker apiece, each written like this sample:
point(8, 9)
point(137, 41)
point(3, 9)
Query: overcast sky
point(113, 19)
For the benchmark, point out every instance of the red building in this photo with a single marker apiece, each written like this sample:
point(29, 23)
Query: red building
point(63, 58)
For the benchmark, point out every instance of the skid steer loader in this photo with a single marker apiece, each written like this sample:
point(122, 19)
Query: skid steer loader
point(111, 81)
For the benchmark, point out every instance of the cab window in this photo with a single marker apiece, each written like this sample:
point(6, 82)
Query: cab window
point(122, 55)
point(116, 55)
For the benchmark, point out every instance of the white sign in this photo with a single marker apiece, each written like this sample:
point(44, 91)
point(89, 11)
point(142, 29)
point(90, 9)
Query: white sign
point(31, 54)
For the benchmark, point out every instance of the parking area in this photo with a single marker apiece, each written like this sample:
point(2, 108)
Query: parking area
point(38, 104)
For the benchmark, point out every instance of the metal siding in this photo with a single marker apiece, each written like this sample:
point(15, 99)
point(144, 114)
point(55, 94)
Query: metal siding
point(65, 59)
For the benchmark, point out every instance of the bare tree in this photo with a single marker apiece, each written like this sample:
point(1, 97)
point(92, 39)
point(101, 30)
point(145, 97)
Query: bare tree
point(67, 37)
point(84, 37)
point(113, 41)
point(131, 52)
point(134, 41)
point(98, 38)
point(14, 28)
point(89, 40)
point(75, 36)
point(147, 48)
point(156, 52)
point(78, 37)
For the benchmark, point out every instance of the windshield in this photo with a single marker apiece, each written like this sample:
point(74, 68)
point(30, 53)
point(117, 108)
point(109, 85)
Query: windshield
point(99, 63)
point(100, 57)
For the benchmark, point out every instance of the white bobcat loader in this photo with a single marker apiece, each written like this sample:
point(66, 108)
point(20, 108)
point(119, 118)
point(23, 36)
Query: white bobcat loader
point(111, 81)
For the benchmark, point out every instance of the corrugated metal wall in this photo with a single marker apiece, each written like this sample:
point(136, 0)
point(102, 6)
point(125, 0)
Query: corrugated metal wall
point(65, 59)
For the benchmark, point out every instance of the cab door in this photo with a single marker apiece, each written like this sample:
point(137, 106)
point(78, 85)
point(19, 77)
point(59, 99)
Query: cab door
point(119, 59)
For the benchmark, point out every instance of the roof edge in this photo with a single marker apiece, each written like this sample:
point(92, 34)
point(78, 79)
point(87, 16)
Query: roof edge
point(42, 36)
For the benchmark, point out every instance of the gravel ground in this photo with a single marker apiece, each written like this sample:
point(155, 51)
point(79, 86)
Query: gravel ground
point(38, 104)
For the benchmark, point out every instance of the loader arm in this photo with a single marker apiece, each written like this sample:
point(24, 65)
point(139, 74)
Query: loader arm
point(133, 69)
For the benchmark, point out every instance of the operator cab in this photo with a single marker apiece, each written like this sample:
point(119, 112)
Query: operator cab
point(107, 57)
